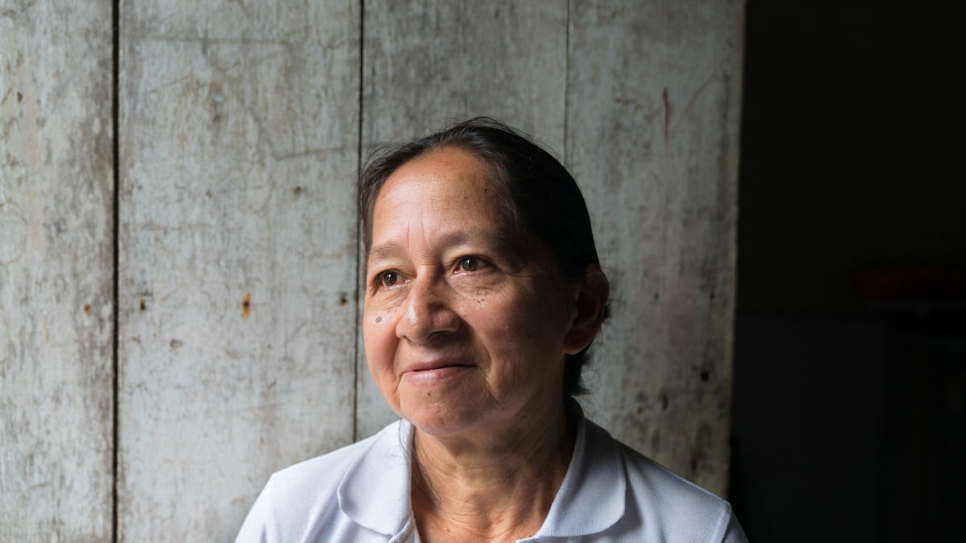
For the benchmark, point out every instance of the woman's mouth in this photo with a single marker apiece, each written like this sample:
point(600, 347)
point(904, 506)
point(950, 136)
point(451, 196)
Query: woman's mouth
point(433, 372)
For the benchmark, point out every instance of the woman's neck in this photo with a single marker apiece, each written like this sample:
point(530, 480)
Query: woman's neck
point(500, 489)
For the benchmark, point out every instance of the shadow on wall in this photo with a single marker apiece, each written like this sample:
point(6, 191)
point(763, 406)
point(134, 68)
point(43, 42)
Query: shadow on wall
point(849, 416)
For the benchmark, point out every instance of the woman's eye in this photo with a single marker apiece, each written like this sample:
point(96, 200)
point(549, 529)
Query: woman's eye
point(388, 279)
point(470, 263)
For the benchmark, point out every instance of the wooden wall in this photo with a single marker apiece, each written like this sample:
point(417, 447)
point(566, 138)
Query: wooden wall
point(240, 129)
point(56, 271)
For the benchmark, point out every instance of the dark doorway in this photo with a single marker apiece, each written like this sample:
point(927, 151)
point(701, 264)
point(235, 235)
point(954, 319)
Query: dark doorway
point(849, 415)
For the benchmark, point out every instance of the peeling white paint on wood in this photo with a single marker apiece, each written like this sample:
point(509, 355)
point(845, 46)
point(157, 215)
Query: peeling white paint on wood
point(653, 138)
point(239, 137)
point(429, 64)
point(56, 239)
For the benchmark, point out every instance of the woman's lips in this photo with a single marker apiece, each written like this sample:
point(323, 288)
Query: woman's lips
point(435, 365)
point(432, 372)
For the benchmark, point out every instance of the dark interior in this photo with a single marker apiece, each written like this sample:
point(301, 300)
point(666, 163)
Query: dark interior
point(849, 416)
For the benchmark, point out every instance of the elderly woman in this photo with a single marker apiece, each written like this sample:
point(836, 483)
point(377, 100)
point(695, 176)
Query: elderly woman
point(483, 293)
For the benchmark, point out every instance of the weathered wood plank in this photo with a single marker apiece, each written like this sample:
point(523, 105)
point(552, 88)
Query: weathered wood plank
point(56, 278)
point(239, 136)
point(430, 63)
point(652, 135)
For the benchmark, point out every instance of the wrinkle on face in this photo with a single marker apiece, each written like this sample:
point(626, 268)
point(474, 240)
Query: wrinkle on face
point(506, 320)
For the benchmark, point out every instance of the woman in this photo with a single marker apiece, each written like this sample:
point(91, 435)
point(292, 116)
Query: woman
point(483, 294)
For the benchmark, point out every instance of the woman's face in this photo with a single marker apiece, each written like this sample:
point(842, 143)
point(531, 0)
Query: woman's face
point(464, 329)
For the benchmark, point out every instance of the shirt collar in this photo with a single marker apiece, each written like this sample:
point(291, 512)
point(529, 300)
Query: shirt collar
point(374, 492)
point(593, 493)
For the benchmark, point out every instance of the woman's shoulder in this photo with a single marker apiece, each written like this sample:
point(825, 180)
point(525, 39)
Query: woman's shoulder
point(666, 504)
point(321, 476)
point(327, 468)
point(320, 493)
point(647, 475)
point(643, 473)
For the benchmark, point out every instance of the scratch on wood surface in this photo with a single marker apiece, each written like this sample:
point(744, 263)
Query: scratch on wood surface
point(182, 80)
point(341, 149)
point(247, 305)
point(205, 39)
point(13, 224)
point(667, 119)
point(701, 89)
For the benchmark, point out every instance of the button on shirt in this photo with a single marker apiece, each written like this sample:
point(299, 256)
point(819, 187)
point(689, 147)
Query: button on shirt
point(611, 493)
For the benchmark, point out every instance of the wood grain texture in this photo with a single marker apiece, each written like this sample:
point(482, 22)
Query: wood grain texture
point(239, 145)
point(56, 271)
point(653, 95)
point(428, 64)
point(239, 134)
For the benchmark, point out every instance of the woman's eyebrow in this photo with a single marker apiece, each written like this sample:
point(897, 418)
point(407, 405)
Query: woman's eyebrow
point(499, 238)
point(495, 240)
point(461, 237)
point(385, 251)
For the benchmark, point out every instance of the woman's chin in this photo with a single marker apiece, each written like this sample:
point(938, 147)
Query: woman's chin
point(440, 419)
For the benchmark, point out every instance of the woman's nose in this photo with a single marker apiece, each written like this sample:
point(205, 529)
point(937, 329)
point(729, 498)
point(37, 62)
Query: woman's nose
point(428, 312)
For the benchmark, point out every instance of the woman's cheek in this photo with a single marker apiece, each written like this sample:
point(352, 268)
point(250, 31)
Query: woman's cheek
point(380, 305)
point(476, 289)
point(378, 332)
point(379, 317)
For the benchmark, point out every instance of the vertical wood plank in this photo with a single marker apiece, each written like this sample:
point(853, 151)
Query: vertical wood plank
point(56, 278)
point(652, 135)
point(431, 63)
point(239, 145)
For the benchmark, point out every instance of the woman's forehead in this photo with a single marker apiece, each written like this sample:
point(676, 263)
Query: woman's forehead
point(448, 196)
point(454, 212)
point(446, 164)
point(444, 181)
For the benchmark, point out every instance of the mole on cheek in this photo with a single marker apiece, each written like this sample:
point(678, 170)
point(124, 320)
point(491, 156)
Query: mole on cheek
point(378, 319)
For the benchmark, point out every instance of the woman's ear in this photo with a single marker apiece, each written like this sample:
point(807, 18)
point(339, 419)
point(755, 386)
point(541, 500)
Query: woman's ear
point(591, 306)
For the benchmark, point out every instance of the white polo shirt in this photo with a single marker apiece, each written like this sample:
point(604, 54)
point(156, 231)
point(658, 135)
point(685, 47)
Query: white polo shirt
point(611, 493)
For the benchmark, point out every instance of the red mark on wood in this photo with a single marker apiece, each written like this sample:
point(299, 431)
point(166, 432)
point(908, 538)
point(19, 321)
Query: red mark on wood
point(247, 305)
point(667, 119)
point(87, 309)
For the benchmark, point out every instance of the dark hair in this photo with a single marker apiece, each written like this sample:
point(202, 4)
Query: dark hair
point(541, 196)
